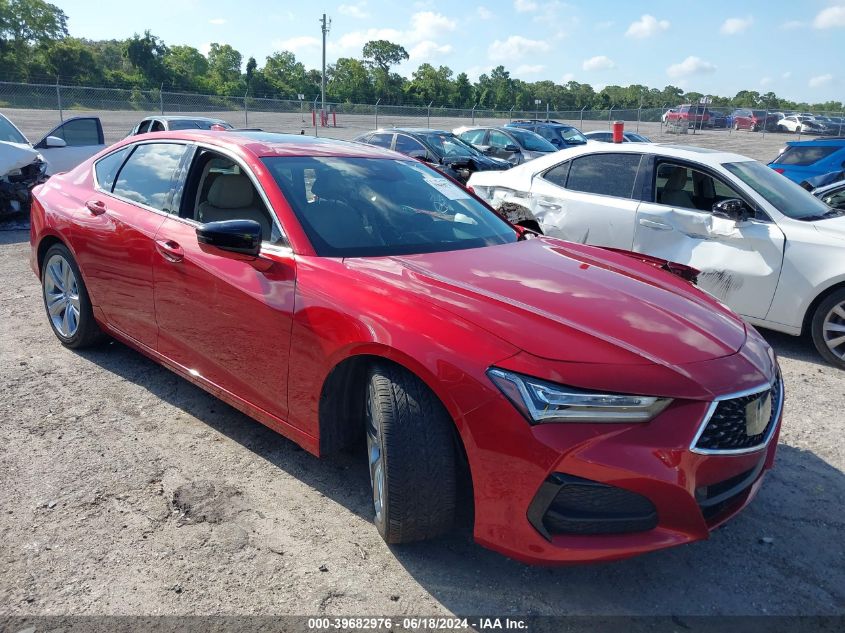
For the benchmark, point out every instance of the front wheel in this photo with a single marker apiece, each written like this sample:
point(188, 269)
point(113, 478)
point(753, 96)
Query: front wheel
point(411, 455)
point(66, 300)
point(828, 328)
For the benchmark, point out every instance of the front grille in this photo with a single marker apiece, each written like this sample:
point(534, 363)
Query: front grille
point(732, 426)
point(572, 505)
point(718, 497)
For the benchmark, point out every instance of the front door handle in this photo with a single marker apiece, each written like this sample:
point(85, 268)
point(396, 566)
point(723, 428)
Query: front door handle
point(96, 207)
point(170, 250)
point(652, 224)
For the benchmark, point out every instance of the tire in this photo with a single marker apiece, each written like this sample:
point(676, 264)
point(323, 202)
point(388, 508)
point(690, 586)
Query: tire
point(63, 290)
point(411, 456)
point(828, 326)
point(782, 129)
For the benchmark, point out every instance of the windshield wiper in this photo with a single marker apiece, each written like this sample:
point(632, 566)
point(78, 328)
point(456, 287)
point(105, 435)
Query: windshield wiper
point(833, 213)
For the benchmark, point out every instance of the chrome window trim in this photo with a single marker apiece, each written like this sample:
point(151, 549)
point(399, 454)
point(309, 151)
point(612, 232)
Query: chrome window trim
point(176, 216)
point(739, 394)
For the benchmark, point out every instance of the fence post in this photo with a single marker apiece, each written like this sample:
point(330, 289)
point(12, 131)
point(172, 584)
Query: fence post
point(639, 116)
point(609, 115)
point(581, 120)
point(766, 120)
point(510, 114)
point(378, 101)
point(246, 110)
point(841, 117)
point(59, 100)
point(473, 113)
point(662, 112)
point(429, 114)
point(161, 98)
point(314, 116)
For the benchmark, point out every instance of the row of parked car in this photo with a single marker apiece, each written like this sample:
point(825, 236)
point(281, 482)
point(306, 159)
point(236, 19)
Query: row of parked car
point(755, 120)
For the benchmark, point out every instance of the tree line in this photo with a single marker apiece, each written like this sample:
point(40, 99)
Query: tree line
point(35, 46)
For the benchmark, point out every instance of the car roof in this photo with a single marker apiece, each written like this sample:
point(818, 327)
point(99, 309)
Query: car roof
point(839, 141)
point(180, 117)
point(265, 144)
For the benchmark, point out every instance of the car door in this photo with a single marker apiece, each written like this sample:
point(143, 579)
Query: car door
point(589, 199)
point(225, 317)
point(410, 146)
point(70, 143)
point(120, 218)
point(740, 262)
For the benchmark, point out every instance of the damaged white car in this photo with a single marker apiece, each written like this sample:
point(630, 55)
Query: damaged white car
point(765, 247)
point(24, 165)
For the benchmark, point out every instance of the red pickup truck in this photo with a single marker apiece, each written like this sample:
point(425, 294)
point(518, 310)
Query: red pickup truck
point(692, 114)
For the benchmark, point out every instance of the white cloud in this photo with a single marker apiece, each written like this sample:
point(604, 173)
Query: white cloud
point(646, 26)
point(474, 72)
point(427, 50)
point(524, 6)
point(690, 66)
point(830, 18)
point(787, 74)
point(599, 62)
point(793, 24)
point(354, 10)
point(567, 78)
point(820, 80)
point(735, 26)
point(529, 69)
point(484, 13)
point(427, 25)
point(217, 21)
point(296, 44)
point(515, 47)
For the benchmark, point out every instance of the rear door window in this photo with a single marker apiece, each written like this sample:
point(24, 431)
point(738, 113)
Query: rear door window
point(107, 167)
point(381, 140)
point(604, 174)
point(406, 144)
point(803, 155)
point(147, 175)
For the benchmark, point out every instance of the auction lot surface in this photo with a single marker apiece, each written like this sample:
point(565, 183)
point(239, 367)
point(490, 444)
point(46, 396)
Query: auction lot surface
point(126, 490)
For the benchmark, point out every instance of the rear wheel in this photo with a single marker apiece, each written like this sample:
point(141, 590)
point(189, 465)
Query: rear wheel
point(66, 300)
point(411, 455)
point(828, 328)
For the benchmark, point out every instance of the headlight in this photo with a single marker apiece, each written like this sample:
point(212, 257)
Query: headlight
point(540, 401)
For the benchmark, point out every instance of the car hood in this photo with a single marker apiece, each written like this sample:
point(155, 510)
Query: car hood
point(15, 156)
point(832, 227)
point(569, 302)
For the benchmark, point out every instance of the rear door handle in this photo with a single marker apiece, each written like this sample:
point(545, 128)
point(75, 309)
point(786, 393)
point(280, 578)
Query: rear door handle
point(96, 207)
point(170, 250)
point(655, 225)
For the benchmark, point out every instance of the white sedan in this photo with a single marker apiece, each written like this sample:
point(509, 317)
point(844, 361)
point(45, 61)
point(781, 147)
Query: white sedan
point(765, 247)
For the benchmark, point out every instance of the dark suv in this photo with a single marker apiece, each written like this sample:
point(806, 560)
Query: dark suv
point(442, 150)
point(558, 134)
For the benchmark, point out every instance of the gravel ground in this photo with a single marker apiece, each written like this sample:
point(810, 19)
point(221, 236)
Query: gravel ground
point(36, 123)
point(126, 490)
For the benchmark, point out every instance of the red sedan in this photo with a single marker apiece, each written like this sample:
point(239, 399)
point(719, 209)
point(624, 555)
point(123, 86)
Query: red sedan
point(594, 406)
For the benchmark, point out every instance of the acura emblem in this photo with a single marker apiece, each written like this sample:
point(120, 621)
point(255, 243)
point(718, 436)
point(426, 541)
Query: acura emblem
point(757, 414)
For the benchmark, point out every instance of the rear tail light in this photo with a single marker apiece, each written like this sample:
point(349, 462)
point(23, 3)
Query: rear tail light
point(779, 170)
point(470, 189)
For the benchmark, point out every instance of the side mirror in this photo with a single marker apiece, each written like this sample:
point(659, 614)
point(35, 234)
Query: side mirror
point(237, 236)
point(732, 209)
point(513, 149)
point(54, 141)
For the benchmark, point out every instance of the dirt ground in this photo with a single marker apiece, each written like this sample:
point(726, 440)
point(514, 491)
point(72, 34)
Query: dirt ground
point(126, 490)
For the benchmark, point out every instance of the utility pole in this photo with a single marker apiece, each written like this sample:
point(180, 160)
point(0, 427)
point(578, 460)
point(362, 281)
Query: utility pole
point(326, 25)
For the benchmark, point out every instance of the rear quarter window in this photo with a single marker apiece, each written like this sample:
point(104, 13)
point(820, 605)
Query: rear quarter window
point(803, 155)
point(604, 174)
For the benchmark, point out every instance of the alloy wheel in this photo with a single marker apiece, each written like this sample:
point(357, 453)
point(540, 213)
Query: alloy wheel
point(375, 460)
point(61, 296)
point(833, 330)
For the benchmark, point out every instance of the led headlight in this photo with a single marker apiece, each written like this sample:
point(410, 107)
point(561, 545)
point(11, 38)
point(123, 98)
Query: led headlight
point(540, 401)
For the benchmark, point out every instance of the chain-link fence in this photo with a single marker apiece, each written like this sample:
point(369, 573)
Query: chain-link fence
point(37, 108)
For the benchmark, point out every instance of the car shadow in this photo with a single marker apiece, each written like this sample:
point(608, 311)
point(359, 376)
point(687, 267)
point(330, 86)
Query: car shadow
point(783, 554)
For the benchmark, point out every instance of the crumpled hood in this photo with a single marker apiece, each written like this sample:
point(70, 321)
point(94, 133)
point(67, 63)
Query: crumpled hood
point(569, 302)
point(15, 156)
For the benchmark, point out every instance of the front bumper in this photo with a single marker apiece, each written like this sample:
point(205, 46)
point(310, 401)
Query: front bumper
point(519, 470)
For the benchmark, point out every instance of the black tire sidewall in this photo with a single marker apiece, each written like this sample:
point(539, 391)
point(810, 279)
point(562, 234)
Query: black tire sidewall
point(88, 330)
point(817, 327)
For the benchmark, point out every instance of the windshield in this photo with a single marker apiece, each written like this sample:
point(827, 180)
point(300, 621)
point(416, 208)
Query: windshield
point(783, 194)
point(194, 124)
point(449, 145)
point(571, 135)
point(531, 141)
point(358, 207)
point(10, 133)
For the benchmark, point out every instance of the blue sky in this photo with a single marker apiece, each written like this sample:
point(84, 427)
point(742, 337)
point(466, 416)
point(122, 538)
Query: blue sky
point(795, 49)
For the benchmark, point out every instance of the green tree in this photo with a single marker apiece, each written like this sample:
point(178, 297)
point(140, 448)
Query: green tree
point(147, 54)
point(285, 75)
point(187, 68)
point(462, 93)
point(348, 80)
point(224, 65)
point(381, 55)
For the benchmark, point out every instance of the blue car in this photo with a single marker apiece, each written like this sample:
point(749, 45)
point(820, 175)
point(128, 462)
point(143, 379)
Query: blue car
point(558, 134)
point(802, 160)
